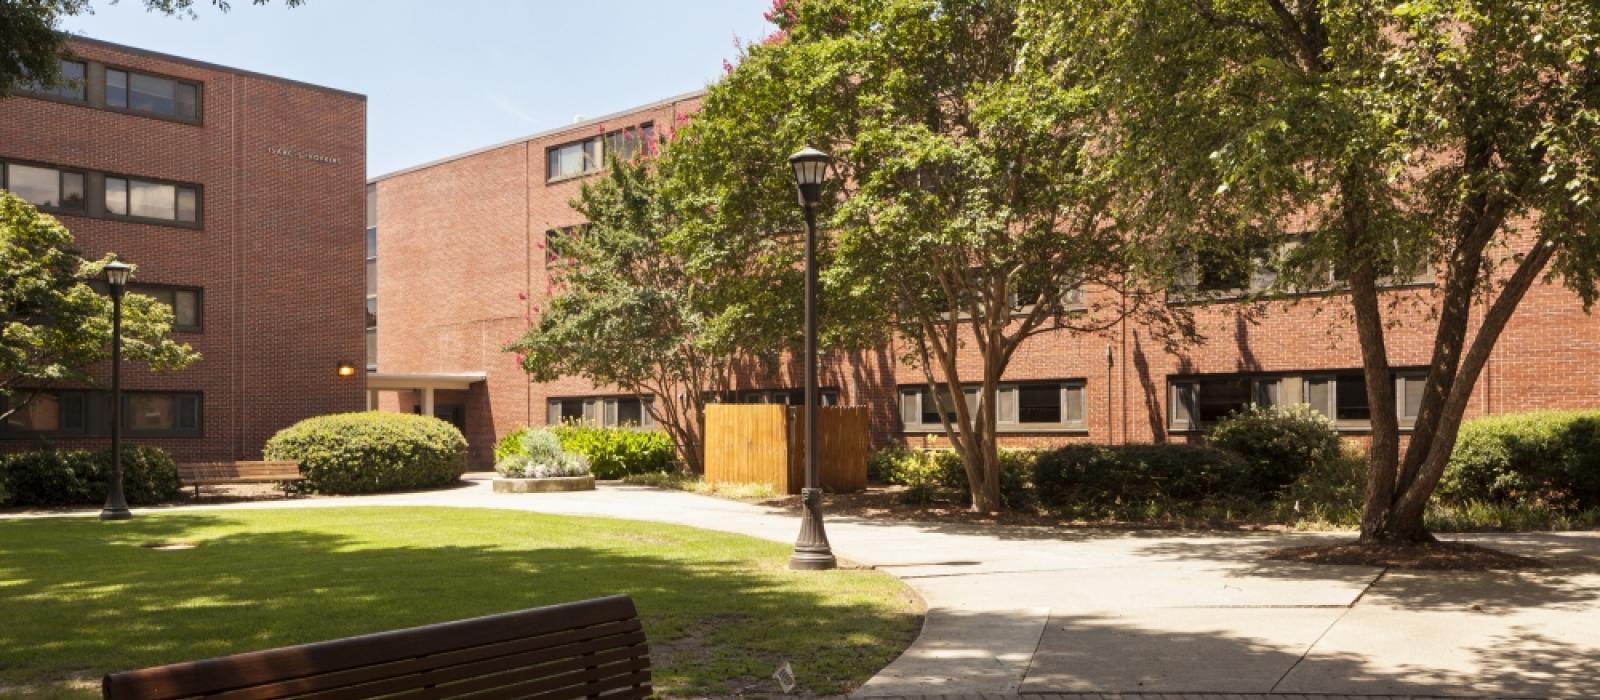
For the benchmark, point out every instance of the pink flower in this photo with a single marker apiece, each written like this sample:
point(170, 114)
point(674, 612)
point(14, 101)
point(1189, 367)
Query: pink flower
point(522, 295)
point(727, 67)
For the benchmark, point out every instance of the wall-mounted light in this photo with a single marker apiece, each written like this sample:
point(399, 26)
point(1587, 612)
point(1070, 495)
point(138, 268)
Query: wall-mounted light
point(347, 369)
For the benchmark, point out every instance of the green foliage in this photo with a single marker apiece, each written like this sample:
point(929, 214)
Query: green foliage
point(1548, 457)
point(1328, 493)
point(372, 452)
point(536, 454)
point(1278, 444)
point(53, 325)
point(616, 452)
point(79, 477)
point(1095, 481)
point(926, 472)
point(680, 481)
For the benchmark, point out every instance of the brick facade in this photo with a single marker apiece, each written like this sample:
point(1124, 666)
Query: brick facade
point(280, 166)
point(467, 232)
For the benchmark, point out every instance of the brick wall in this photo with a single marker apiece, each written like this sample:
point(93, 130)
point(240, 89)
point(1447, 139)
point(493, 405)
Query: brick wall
point(279, 254)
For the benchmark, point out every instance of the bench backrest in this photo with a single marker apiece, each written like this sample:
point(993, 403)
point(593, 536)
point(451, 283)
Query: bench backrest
point(587, 649)
point(239, 470)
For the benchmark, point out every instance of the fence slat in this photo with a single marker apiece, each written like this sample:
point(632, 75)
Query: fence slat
point(765, 444)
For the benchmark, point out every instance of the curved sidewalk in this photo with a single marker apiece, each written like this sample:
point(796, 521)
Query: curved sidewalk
point(1021, 610)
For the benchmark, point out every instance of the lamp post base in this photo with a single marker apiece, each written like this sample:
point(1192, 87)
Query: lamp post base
point(812, 551)
point(111, 513)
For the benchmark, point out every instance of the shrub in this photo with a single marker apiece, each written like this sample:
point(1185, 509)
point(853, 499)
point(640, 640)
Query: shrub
point(1328, 493)
point(510, 444)
point(1278, 445)
point(372, 452)
point(537, 454)
point(927, 471)
point(1550, 457)
point(617, 452)
point(79, 477)
point(1102, 480)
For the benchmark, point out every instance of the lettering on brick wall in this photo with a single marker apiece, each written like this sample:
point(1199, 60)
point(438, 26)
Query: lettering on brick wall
point(303, 155)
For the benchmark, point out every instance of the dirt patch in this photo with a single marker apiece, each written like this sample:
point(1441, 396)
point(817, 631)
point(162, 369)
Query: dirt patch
point(1435, 556)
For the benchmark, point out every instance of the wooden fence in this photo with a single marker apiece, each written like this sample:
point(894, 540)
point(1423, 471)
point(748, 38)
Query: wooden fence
point(765, 444)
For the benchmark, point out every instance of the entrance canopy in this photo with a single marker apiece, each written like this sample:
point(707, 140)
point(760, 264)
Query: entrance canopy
point(424, 384)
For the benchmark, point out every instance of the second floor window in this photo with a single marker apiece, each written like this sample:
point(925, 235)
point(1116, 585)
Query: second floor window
point(44, 187)
point(147, 93)
point(573, 159)
point(73, 85)
point(152, 200)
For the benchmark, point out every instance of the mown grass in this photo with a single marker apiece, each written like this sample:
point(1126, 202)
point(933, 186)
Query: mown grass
point(80, 597)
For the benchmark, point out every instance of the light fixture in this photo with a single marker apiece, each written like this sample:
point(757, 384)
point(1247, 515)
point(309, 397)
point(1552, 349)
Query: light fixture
point(117, 274)
point(811, 549)
point(810, 170)
point(347, 369)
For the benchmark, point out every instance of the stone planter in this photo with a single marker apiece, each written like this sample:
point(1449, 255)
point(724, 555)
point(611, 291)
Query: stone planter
point(546, 485)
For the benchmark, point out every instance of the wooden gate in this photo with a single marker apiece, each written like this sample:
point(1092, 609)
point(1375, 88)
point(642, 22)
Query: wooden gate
point(765, 444)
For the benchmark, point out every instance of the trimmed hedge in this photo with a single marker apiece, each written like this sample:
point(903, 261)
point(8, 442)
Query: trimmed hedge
point(372, 452)
point(1548, 457)
point(617, 452)
point(1277, 444)
point(79, 477)
point(1104, 478)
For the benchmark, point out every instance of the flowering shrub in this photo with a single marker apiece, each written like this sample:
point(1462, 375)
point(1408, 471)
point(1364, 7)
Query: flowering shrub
point(536, 454)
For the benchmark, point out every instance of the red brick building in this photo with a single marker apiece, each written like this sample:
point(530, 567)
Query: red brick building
point(461, 271)
point(239, 198)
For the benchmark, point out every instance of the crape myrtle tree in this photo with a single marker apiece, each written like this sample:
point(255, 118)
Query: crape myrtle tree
point(1454, 136)
point(54, 325)
point(966, 212)
point(633, 304)
point(31, 40)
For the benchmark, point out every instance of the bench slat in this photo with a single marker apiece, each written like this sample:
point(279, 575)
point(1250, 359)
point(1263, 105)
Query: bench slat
point(256, 472)
point(596, 644)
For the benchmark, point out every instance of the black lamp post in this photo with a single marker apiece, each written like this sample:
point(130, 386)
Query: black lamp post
point(116, 504)
point(811, 550)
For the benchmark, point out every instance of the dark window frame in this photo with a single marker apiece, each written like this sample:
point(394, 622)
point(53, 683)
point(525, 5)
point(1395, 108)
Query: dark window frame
point(86, 430)
point(1007, 413)
point(604, 409)
point(199, 302)
point(35, 90)
point(61, 172)
point(198, 85)
point(178, 186)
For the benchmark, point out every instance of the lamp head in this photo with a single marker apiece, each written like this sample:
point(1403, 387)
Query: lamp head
point(117, 274)
point(346, 370)
point(810, 171)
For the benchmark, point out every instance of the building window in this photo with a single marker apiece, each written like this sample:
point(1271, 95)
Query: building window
point(573, 159)
point(80, 413)
point(73, 85)
point(185, 303)
point(152, 200)
point(152, 94)
point(624, 144)
point(608, 411)
point(50, 188)
point(372, 277)
point(1196, 403)
point(826, 396)
point(1020, 407)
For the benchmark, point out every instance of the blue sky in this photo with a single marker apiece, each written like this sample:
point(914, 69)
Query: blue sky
point(443, 77)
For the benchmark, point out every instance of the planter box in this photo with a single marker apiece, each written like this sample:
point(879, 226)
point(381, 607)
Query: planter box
point(548, 485)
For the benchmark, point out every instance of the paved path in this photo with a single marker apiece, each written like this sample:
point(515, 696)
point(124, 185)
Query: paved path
point(1036, 611)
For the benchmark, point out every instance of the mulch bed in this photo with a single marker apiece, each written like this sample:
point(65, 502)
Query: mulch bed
point(948, 506)
point(1434, 556)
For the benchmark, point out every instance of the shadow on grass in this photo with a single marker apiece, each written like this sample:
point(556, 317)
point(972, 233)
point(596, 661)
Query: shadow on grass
point(81, 597)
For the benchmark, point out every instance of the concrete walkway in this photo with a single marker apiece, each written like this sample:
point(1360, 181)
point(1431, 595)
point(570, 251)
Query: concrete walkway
point(1077, 613)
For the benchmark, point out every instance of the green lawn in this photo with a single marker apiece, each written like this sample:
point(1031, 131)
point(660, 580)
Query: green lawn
point(79, 597)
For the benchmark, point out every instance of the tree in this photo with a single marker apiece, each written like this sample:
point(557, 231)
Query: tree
point(30, 32)
point(968, 213)
point(631, 306)
point(1382, 136)
point(54, 326)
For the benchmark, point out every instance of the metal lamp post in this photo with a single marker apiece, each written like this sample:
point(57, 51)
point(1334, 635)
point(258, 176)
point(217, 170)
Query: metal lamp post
point(811, 550)
point(116, 504)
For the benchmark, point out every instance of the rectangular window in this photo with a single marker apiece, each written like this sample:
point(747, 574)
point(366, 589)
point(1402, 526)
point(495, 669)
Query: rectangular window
point(152, 200)
point(1022, 407)
point(45, 187)
point(625, 144)
point(152, 94)
point(184, 302)
point(608, 411)
point(80, 413)
point(372, 348)
point(372, 243)
point(372, 312)
point(826, 396)
point(1198, 402)
point(1409, 388)
point(572, 159)
point(73, 85)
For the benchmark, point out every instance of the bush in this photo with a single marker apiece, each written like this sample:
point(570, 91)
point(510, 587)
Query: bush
point(536, 454)
point(1549, 457)
point(617, 452)
point(80, 477)
point(1329, 493)
point(1278, 445)
point(1099, 480)
point(927, 471)
point(372, 452)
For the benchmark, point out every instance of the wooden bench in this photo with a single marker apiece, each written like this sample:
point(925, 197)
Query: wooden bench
point(210, 473)
point(588, 649)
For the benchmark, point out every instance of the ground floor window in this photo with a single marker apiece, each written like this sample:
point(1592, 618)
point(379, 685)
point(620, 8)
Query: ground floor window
point(608, 411)
point(826, 396)
point(1196, 402)
point(83, 413)
point(1020, 407)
